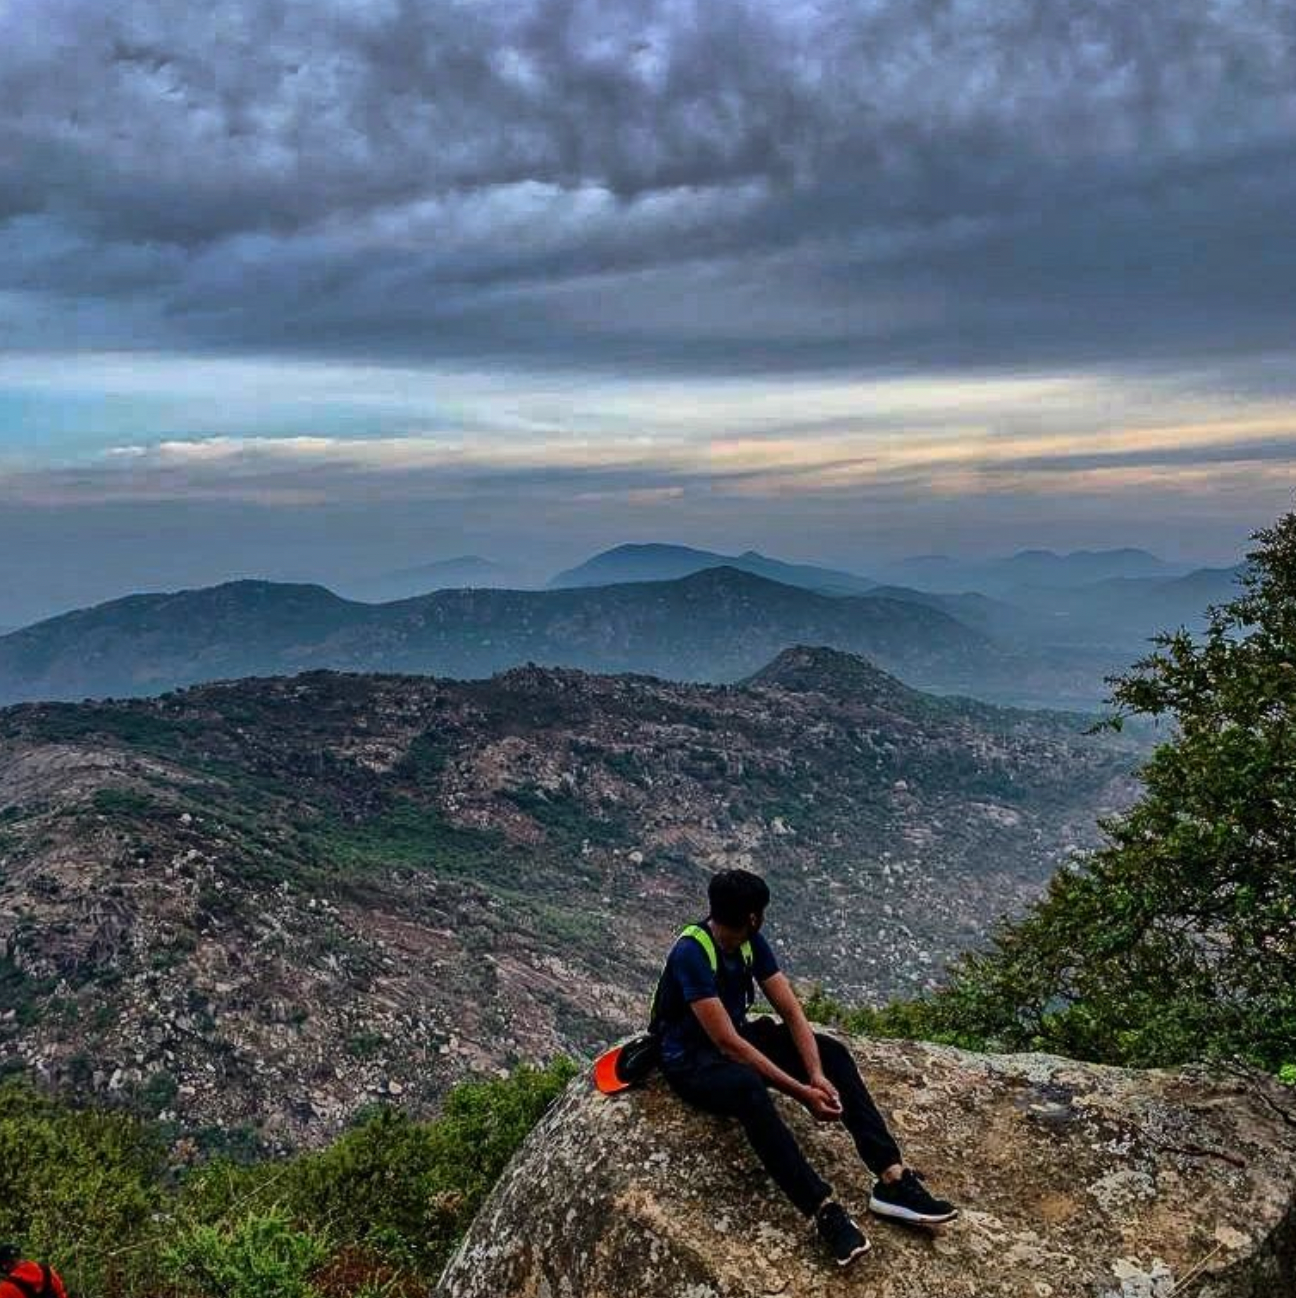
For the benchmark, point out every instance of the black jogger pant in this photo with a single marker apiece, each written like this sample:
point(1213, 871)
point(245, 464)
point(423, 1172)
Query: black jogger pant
point(720, 1085)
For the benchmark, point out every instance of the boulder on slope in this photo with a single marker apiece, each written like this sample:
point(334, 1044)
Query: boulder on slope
point(1075, 1180)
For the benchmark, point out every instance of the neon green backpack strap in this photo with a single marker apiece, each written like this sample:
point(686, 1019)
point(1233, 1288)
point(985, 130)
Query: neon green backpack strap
point(705, 941)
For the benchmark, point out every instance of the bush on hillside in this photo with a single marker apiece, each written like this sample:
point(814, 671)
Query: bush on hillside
point(79, 1188)
point(409, 1189)
point(259, 1255)
point(377, 1212)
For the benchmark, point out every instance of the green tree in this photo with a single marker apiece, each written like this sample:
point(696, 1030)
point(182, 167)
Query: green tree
point(1177, 938)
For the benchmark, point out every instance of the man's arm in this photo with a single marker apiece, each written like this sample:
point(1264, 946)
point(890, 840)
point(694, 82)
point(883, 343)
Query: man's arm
point(715, 1019)
point(786, 1005)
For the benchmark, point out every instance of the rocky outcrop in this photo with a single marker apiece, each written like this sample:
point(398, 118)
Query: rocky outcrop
point(1075, 1180)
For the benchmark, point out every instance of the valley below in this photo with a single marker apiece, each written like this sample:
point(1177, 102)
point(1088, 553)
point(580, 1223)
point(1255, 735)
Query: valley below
point(254, 907)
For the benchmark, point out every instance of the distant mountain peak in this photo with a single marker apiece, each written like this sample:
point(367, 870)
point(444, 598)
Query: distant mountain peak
point(652, 548)
point(726, 574)
point(1116, 552)
point(658, 561)
point(459, 562)
point(804, 669)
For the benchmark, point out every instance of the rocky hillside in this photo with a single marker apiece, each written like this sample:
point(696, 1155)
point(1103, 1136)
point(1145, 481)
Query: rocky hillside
point(715, 625)
point(274, 898)
point(1076, 1181)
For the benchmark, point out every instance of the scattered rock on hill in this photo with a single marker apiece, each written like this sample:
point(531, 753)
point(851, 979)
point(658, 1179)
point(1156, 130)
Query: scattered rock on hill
point(1075, 1180)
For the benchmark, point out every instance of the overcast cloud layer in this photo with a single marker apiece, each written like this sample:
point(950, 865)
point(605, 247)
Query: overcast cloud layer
point(564, 273)
point(704, 186)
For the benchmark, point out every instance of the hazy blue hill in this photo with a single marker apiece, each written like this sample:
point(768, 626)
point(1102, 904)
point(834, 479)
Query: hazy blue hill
point(469, 570)
point(1039, 606)
point(637, 563)
point(718, 624)
point(993, 617)
point(1081, 567)
point(143, 644)
point(921, 569)
point(1127, 611)
point(630, 563)
point(1205, 585)
point(1006, 577)
point(825, 580)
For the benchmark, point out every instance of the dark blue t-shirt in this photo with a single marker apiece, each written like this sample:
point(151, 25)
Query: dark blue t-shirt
point(688, 978)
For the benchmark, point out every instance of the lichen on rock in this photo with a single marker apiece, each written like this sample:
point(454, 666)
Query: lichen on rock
point(1076, 1181)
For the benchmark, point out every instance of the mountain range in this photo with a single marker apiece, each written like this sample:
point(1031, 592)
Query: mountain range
point(1113, 600)
point(1034, 567)
point(717, 624)
point(1034, 646)
point(934, 574)
point(271, 900)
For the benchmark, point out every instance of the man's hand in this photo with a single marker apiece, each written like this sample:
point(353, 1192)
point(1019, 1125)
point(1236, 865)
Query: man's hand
point(821, 1083)
point(785, 1002)
point(825, 1105)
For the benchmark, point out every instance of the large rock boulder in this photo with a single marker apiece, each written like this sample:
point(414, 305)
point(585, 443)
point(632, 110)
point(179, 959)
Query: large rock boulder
point(1075, 1180)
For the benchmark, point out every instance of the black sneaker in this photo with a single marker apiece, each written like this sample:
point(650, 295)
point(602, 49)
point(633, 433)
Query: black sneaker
point(908, 1199)
point(840, 1233)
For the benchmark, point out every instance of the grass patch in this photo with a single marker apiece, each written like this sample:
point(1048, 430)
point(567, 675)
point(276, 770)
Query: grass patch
point(123, 803)
point(410, 835)
point(565, 818)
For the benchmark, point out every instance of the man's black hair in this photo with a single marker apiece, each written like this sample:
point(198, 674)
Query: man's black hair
point(736, 895)
point(9, 1256)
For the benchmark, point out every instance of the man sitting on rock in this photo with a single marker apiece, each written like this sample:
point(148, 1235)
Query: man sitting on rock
point(715, 1058)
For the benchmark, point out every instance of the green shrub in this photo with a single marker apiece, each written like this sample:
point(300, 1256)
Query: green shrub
point(378, 1211)
point(21, 993)
point(408, 833)
point(262, 1255)
point(365, 1045)
point(76, 1187)
point(123, 802)
point(409, 1189)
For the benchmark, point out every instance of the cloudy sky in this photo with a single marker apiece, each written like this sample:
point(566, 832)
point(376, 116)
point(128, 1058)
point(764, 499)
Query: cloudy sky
point(318, 290)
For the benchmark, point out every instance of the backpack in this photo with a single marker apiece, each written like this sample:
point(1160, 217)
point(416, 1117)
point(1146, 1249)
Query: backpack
point(28, 1288)
point(631, 1062)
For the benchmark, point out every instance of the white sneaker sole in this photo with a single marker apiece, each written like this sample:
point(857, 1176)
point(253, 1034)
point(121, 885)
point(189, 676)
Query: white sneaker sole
point(858, 1253)
point(884, 1209)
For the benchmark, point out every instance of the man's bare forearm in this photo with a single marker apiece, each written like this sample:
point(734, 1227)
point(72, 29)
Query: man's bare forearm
point(803, 1038)
point(742, 1051)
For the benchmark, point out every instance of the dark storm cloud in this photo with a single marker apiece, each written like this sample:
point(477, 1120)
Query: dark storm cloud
point(706, 186)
